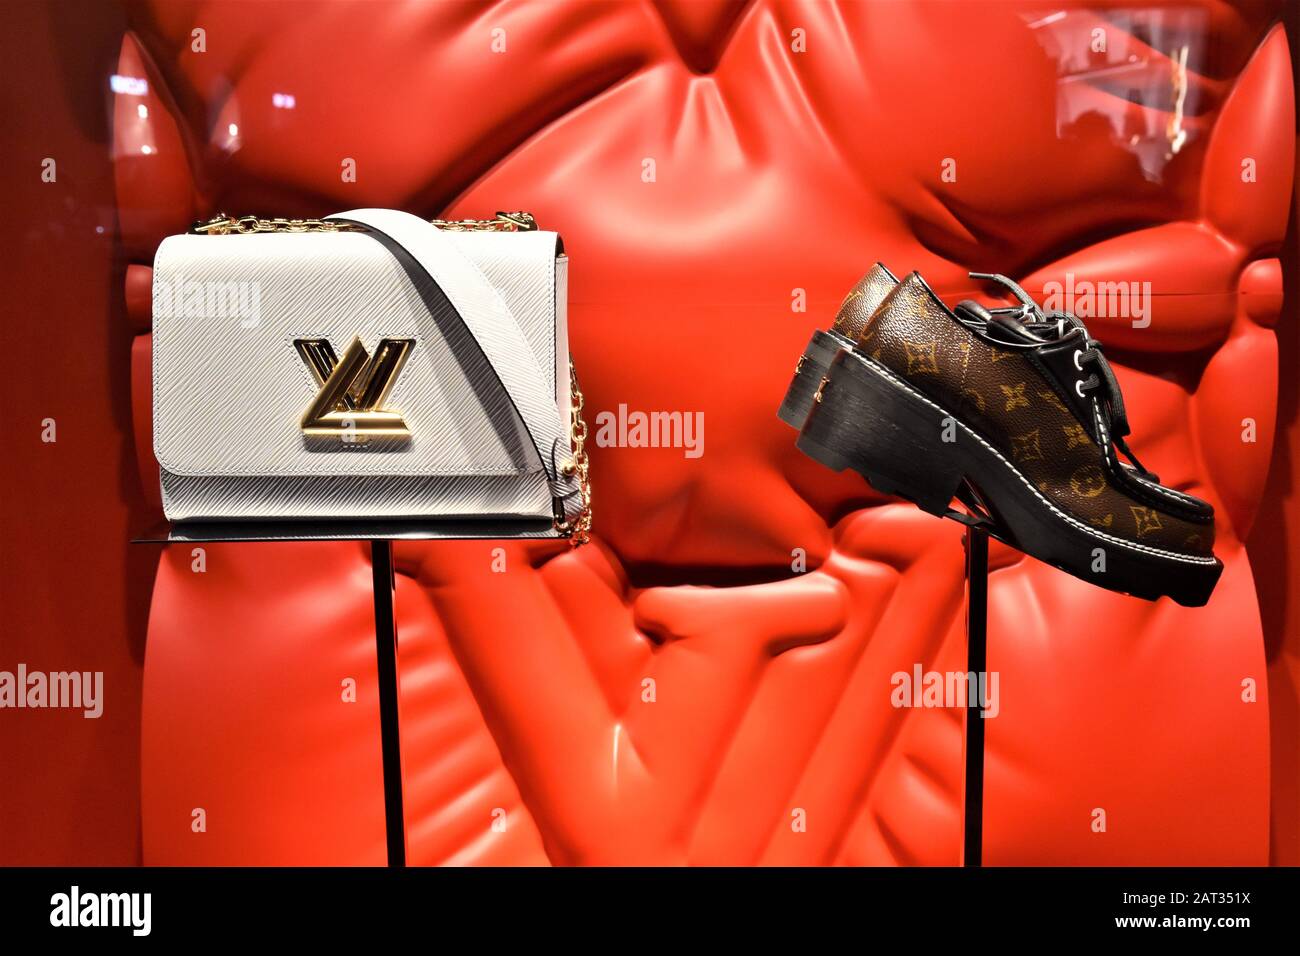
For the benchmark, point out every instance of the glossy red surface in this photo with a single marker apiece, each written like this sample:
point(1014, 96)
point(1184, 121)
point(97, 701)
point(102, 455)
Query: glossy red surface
point(524, 693)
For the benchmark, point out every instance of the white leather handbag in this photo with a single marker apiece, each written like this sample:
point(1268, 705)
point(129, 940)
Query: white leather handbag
point(370, 365)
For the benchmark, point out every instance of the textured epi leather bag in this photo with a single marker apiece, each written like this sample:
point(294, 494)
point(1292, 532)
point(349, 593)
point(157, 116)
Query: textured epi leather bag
point(371, 365)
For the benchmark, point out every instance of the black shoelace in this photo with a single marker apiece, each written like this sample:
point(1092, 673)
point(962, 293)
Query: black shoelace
point(1051, 322)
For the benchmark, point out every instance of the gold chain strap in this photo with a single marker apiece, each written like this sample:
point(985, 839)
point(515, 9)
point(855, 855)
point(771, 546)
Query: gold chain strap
point(223, 225)
point(504, 222)
point(577, 530)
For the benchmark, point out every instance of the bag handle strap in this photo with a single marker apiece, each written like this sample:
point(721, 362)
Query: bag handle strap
point(492, 326)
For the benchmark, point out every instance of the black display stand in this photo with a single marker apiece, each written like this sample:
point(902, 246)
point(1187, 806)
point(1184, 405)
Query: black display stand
point(390, 741)
point(977, 610)
point(380, 535)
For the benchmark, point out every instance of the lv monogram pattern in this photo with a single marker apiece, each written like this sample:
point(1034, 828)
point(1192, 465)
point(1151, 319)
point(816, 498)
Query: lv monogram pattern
point(921, 358)
point(1003, 396)
point(862, 301)
point(1015, 395)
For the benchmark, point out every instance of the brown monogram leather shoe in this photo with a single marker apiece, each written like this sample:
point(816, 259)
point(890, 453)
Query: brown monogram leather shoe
point(850, 322)
point(1017, 414)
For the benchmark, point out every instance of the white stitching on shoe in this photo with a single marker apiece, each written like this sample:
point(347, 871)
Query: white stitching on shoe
point(1109, 452)
point(1087, 529)
point(1168, 491)
point(1102, 438)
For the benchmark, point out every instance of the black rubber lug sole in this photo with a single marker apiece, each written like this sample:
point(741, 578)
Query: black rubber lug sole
point(816, 359)
point(869, 421)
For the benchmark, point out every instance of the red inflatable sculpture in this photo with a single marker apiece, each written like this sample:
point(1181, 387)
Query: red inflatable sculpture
point(709, 681)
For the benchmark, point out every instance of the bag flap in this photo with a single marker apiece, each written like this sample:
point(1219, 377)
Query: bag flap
point(231, 388)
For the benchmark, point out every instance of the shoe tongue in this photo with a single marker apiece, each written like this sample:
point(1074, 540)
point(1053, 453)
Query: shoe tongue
point(863, 300)
point(1015, 331)
point(1006, 324)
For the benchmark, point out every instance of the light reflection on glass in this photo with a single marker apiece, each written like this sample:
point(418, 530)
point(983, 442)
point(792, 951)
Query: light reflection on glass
point(1128, 76)
point(133, 133)
point(129, 85)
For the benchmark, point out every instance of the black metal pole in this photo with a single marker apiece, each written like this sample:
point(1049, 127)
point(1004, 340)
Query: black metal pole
point(381, 557)
point(977, 611)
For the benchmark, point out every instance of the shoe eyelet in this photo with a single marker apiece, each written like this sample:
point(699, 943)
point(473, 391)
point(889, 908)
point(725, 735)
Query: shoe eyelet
point(1078, 359)
point(1078, 388)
